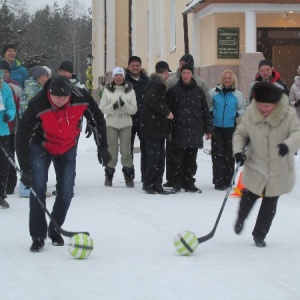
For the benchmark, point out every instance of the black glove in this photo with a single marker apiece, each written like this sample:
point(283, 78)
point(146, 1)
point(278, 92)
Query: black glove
point(115, 105)
point(104, 157)
point(240, 158)
point(6, 118)
point(26, 178)
point(88, 131)
point(283, 149)
point(121, 102)
point(297, 103)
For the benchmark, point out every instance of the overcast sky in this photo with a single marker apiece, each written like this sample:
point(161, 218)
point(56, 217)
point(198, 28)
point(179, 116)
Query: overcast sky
point(38, 4)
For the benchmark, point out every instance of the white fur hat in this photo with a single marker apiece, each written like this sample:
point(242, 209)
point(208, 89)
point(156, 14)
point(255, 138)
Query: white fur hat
point(118, 70)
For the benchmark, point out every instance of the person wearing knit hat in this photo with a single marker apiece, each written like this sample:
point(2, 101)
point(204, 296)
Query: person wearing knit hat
point(187, 101)
point(38, 77)
point(118, 103)
point(118, 70)
point(4, 65)
point(66, 66)
point(48, 135)
point(187, 59)
point(5, 68)
point(17, 71)
point(266, 72)
point(60, 86)
point(37, 72)
point(7, 47)
point(66, 69)
point(187, 66)
point(264, 143)
point(171, 81)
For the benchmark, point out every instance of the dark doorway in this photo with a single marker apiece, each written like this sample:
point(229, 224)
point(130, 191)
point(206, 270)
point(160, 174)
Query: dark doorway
point(282, 46)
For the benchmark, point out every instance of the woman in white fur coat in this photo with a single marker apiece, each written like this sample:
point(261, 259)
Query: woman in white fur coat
point(270, 130)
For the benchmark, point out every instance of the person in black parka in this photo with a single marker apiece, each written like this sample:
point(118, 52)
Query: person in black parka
point(155, 128)
point(191, 121)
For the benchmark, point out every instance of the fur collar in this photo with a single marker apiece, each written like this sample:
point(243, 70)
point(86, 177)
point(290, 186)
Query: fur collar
point(111, 87)
point(276, 116)
point(158, 77)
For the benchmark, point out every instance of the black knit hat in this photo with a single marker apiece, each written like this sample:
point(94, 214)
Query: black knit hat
point(66, 66)
point(267, 92)
point(6, 47)
point(265, 62)
point(4, 65)
point(134, 58)
point(187, 67)
point(187, 58)
point(60, 86)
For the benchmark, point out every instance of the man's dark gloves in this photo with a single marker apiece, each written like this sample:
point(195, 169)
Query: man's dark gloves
point(297, 103)
point(240, 158)
point(88, 131)
point(104, 157)
point(26, 178)
point(6, 118)
point(283, 149)
point(121, 102)
point(115, 105)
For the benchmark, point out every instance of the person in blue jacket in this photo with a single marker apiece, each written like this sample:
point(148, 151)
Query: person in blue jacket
point(7, 113)
point(228, 103)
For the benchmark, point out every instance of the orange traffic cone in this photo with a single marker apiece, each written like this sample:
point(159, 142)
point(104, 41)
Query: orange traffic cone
point(239, 188)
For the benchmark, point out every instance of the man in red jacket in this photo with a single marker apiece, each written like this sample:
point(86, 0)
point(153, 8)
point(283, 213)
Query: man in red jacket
point(49, 132)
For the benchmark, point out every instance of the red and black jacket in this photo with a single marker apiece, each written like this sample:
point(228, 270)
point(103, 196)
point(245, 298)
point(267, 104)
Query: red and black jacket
point(57, 129)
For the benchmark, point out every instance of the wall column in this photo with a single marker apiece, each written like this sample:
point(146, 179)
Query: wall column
point(250, 32)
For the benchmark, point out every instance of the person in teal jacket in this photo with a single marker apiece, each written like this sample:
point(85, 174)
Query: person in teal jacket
point(227, 104)
point(7, 113)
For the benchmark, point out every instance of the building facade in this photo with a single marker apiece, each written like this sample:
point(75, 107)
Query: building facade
point(219, 34)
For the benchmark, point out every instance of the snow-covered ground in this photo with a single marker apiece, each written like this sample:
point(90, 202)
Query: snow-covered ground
point(134, 257)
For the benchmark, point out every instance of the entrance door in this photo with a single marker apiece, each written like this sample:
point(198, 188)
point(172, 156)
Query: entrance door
point(282, 46)
point(286, 59)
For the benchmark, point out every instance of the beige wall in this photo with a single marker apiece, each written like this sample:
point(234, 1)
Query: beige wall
point(122, 29)
point(208, 33)
point(141, 43)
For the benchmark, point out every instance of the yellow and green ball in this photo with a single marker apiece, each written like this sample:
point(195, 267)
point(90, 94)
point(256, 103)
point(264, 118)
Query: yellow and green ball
point(81, 245)
point(186, 242)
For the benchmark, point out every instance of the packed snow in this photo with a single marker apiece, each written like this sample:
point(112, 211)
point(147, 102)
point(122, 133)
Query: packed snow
point(134, 257)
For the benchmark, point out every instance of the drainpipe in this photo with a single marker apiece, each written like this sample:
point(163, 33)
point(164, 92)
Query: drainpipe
point(185, 33)
point(105, 36)
point(130, 27)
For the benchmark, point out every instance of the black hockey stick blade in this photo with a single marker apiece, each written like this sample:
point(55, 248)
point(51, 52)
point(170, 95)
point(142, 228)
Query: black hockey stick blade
point(212, 233)
point(59, 229)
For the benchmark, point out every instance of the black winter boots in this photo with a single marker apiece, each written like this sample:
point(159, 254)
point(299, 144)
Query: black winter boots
point(129, 176)
point(109, 175)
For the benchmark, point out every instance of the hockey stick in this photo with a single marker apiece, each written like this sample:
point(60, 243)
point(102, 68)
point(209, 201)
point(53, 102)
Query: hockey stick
point(59, 229)
point(212, 233)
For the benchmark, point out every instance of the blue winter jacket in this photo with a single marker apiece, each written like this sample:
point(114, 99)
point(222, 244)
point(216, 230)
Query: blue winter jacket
point(18, 72)
point(226, 107)
point(7, 106)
